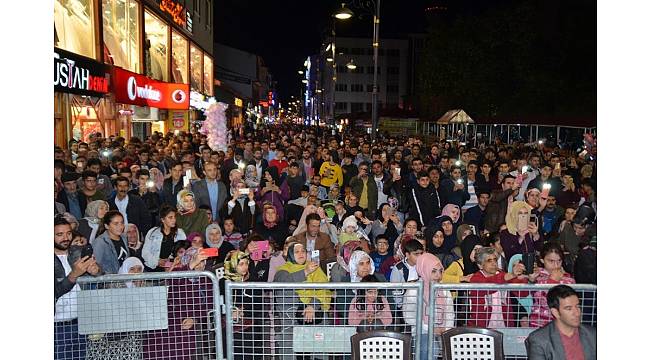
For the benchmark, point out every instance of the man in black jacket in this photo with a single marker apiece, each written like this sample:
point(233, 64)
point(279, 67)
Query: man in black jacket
point(453, 189)
point(173, 184)
point(147, 192)
point(423, 200)
point(73, 199)
point(130, 206)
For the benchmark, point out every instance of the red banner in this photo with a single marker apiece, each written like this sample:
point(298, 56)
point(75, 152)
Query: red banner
point(136, 89)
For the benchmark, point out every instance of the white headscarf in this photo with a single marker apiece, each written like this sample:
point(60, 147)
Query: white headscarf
point(356, 257)
point(207, 236)
point(127, 265)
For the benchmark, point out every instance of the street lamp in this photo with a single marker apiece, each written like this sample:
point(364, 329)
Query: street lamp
point(343, 13)
point(301, 72)
point(351, 65)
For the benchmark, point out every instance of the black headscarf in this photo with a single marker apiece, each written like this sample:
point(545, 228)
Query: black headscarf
point(436, 224)
point(431, 248)
point(274, 174)
point(290, 253)
point(466, 247)
point(391, 230)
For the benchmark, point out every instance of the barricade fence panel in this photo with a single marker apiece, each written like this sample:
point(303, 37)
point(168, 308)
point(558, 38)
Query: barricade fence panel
point(515, 310)
point(315, 320)
point(142, 316)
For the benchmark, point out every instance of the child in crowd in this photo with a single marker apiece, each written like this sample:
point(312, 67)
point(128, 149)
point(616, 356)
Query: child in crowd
point(381, 252)
point(369, 310)
point(230, 234)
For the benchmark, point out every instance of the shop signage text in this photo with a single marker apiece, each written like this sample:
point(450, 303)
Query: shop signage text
point(136, 89)
point(176, 10)
point(79, 75)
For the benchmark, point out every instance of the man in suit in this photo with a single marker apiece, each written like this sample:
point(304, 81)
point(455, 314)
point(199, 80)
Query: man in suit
point(210, 191)
point(173, 184)
point(564, 337)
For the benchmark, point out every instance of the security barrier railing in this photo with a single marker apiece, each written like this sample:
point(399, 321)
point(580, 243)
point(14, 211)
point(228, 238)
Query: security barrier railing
point(181, 315)
point(168, 315)
point(315, 320)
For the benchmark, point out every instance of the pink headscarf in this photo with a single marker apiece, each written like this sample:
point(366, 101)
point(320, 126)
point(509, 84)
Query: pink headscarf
point(447, 211)
point(424, 266)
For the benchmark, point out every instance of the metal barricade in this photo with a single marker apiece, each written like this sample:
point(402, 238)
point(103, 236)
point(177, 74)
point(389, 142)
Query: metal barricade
point(170, 315)
point(315, 320)
point(522, 307)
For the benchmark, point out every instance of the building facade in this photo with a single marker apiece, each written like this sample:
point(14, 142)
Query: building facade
point(244, 78)
point(350, 90)
point(129, 67)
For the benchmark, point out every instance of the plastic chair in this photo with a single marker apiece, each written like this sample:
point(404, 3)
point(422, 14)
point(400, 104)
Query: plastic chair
point(465, 343)
point(381, 344)
point(329, 270)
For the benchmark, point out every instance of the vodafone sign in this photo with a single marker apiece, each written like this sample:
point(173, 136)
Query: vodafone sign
point(136, 89)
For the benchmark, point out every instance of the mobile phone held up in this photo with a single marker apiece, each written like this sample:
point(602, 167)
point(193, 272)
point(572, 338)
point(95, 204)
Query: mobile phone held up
point(315, 256)
point(262, 246)
point(210, 252)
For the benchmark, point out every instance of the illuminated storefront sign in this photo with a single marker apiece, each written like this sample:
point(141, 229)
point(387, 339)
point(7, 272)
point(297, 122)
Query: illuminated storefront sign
point(135, 89)
point(176, 10)
point(79, 75)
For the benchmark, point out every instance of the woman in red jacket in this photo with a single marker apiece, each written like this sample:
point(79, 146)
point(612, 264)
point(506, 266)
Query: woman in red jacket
point(491, 309)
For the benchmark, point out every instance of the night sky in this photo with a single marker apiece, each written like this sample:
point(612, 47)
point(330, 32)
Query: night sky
point(285, 32)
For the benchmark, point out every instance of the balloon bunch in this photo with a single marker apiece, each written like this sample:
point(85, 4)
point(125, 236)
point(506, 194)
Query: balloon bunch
point(215, 127)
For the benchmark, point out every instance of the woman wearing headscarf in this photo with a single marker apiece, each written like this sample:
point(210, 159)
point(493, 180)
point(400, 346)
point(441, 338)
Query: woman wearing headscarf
point(429, 269)
point(446, 223)
point(387, 223)
point(272, 191)
point(435, 246)
point(134, 241)
point(214, 239)
point(271, 228)
point(121, 345)
point(461, 271)
point(521, 235)
point(247, 314)
point(298, 306)
point(453, 211)
point(91, 225)
point(190, 217)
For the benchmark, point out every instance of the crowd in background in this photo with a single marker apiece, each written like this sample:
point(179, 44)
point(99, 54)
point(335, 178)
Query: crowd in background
point(296, 204)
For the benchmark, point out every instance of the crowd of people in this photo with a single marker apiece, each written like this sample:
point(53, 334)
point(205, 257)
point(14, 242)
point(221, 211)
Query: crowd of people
point(291, 204)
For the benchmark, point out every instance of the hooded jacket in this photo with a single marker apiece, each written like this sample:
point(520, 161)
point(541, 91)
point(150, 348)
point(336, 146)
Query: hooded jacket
point(423, 204)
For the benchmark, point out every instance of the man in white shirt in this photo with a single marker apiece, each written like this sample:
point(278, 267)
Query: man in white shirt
point(67, 342)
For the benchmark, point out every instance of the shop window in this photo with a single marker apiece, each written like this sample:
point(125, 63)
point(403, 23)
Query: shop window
point(179, 58)
point(196, 69)
point(121, 34)
point(74, 28)
point(208, 82)
point(156, 47)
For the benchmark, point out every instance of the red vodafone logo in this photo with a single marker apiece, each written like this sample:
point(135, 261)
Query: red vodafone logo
point(136, 89)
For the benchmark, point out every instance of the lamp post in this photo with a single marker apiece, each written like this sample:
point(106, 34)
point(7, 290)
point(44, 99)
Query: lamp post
point(345, 13)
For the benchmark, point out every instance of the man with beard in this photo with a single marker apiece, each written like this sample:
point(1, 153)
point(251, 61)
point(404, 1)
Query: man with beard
point(260, 163)
point(74, 200)
point(476, 214)
point(67, 342)
point(423, 200)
